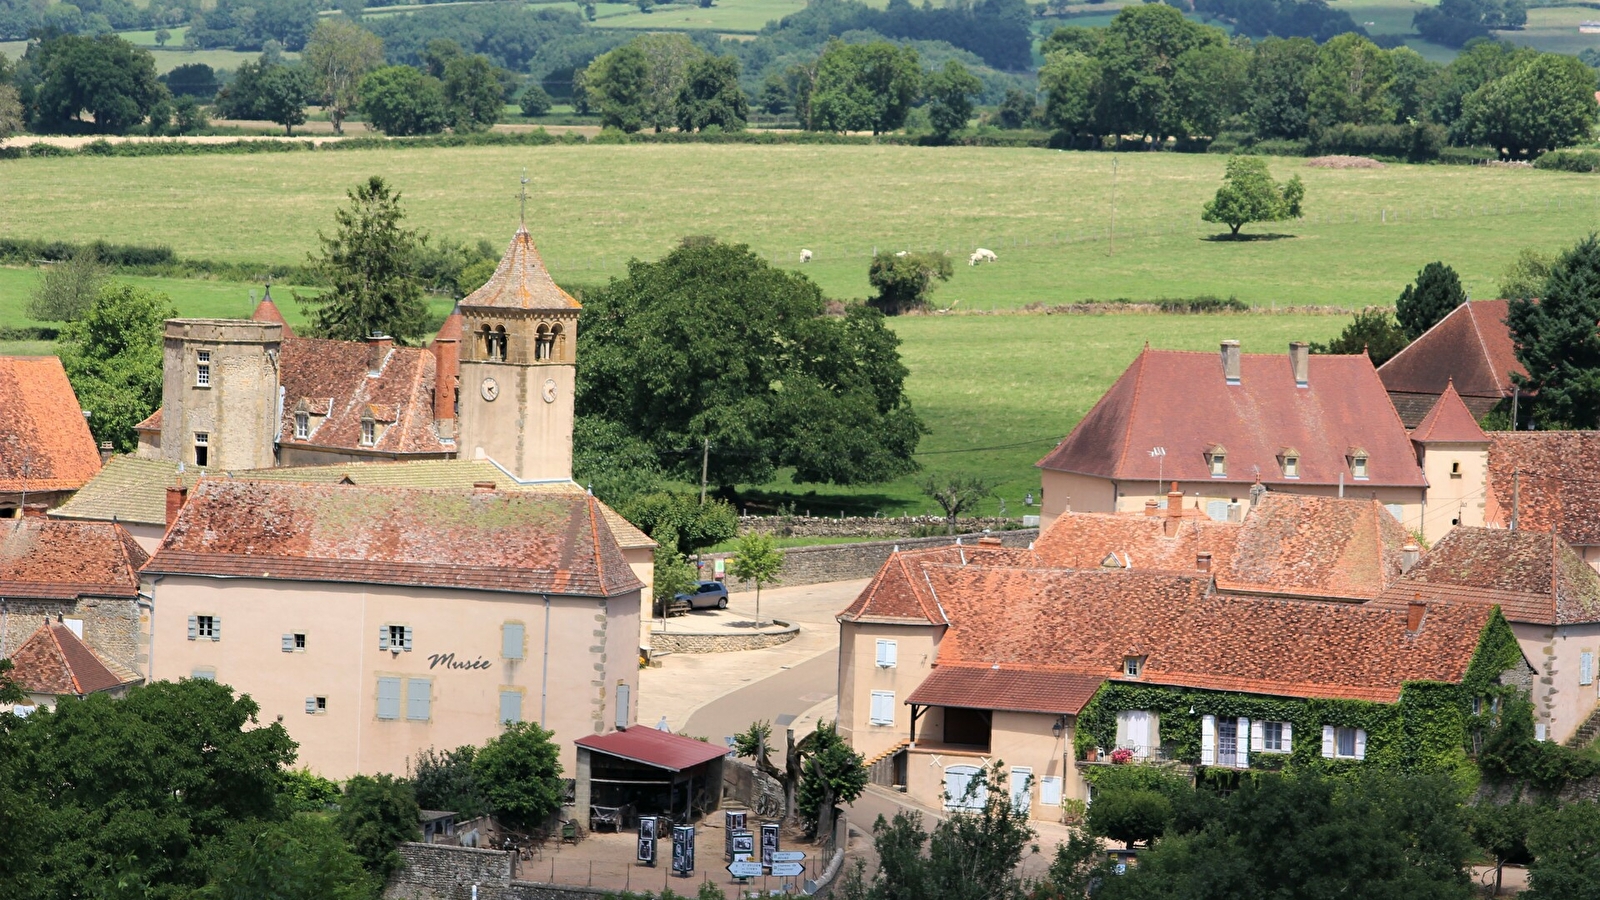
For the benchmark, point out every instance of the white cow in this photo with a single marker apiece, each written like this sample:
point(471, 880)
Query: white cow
point(981, 255)
point(805, 256)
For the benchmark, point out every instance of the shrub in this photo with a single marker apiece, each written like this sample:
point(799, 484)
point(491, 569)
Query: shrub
point(1569, 161)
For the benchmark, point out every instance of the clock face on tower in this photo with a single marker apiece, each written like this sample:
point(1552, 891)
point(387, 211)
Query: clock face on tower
point(490, 389)
point(549, 390)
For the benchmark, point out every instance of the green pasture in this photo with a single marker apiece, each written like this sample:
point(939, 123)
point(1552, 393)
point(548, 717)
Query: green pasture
point(731, 16)
point(1555, 30)
point(1045, 213)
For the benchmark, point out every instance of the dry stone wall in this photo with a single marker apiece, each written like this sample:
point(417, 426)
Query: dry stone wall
point(440, 872)
point(871, 526)
point(844, 562)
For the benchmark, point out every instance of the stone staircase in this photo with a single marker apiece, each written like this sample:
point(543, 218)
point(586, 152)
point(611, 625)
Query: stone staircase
point(1588, 731)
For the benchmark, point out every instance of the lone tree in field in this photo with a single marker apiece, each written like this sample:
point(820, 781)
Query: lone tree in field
point(339, 54)
point(956, 494)
point(1248, 194)
point(905, 280)
point(368, 263)
point(1435, 294)
point(1557, 342)
point(757, 558)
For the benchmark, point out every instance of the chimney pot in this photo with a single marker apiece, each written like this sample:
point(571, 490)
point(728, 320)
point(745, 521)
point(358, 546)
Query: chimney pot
point(378, 347)
point(1150, 506)
point(1174, 501)
point(1300, 362)
point(1202, 561)
point(1230, 361)
point(1414, 613)
point(177, 496)
point(1409, 554)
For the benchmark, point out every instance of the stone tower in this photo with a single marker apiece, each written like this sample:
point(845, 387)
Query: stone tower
point(519, 337)
point(219, 392)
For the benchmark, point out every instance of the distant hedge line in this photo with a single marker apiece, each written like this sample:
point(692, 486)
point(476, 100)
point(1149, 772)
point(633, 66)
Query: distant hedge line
point(135, 259)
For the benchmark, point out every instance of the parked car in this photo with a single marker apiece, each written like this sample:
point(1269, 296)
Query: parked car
point(707, 594)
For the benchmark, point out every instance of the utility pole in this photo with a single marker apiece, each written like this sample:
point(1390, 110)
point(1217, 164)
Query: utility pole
point(1113, 236)
point(705, 464)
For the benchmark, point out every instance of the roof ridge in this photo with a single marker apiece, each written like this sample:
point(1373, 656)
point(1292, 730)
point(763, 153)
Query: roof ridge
point(1133, 406)
point(1477, 334)
point(55, 640)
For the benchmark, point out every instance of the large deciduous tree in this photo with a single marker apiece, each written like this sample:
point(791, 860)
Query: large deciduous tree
point(1248, 194)
point(368, 266)
point(1071, 82)
point(472, 93)
point(1545, 103)
point(1557, 341)
point(270, 90)
point(303, 858)
point(865, 87)
point(401, 101)
point(711, 344)
point(1139, 63)
point(113, 357)
point(520, 775)
point(376, 814)
point(1277, 96)
point(105, 77)
point(711, 96)
point(1373, 332)
point(618, 85)
point(340, 53)
point(1563, 841)
point(831, 773)
point(950, 91)
point(1349, 84)
point(67, 289)
point(905, 280)
point(1434, 295)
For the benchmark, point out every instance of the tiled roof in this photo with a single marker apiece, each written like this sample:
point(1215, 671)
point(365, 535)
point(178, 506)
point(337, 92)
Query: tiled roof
point(1310, 546)
point(267, 311)
point(45, 444)
point(521, 281)
point(1550, 478)
point(1038, 689)
point(1471, 346)
point(661, 749)
point(151, 422)
point(900, 592)
point(54, 661)
point(477, 540)
point(1088, 621)
point(1449, 421)
point(52, 560)
point(1535, 577)
point(1159, 542)
point(1180, 401)
point(334, 375)
point(450, 329)
point(128, 489)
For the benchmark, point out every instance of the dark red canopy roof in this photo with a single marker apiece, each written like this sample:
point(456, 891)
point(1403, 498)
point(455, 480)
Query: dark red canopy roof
point(661, 749)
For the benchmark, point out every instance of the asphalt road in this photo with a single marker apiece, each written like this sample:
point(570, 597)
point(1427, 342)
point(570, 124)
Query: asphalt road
point(789, 692)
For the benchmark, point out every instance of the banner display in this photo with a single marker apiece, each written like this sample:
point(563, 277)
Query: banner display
point(683, 849)
point(769, 842)
point(647, 840)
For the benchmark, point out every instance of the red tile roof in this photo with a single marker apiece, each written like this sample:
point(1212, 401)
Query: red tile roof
point(521, 281)
point(1309, 546)
point(1172, 544)
point(267, 311)
point(1535, 577)
point(900, 592)
point(661, 749)
point(1087, 621)
point(1471, 347)
point(1449, 421)
point(1037, 689)
point(45, 444)
point(50, 559)
point(478, 540)
point(1551, 478)
point(333, 377)
point(151, 422)
point(1180, 401)
point(54, 661)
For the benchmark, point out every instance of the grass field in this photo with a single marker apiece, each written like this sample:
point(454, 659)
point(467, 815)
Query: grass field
point(1555, 30)
point(732, 16)
point(1044, 212)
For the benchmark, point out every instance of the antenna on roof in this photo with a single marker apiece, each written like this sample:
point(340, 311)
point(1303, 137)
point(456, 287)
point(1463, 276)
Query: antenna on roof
point(522, 210)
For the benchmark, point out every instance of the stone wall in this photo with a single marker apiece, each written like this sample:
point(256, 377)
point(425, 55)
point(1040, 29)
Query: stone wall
point(844, 562)
point(872, 526)
point(440, 872)
point(751, 788)
point(110, 626)
point(721, 641)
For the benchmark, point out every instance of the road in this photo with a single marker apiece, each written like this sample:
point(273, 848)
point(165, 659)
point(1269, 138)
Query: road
point(788, 692)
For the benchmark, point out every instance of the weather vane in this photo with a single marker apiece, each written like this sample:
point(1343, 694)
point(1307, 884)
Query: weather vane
point(522, 211)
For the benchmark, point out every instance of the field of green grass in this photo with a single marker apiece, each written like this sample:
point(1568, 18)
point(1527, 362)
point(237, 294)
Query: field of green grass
point(730, 16)
point(1555, 30)
point(1045, 213)
point(1394, 17)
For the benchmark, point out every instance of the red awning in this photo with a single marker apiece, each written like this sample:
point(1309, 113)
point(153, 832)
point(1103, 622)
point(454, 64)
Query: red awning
point(661, 749)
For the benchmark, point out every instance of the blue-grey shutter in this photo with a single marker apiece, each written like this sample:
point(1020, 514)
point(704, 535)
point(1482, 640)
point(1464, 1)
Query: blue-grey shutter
point(216, 628)
point(408, 637)
point(419, 698)
point(510, 706)
point(311, 705)
point(194, 627)
point(288, 643)
point(204, 675)
point(388, 698)
point(511, 640)
point(383, 637)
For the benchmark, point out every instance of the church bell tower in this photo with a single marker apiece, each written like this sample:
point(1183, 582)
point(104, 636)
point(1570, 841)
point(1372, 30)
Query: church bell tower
point(519, 368)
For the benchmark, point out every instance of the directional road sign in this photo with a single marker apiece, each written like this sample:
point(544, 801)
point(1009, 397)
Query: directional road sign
point(783, 856)
point(744, 869)
point(787, 869)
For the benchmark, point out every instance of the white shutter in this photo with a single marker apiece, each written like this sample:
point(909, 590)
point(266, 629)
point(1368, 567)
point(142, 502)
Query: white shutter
point(1208, 740)
point(383, 637)
point(216, 628)
point(1123, 718)
point(1152, 733)
point(1288, 738)
point(1327, 742)
point(1244, 743)
point(510, 706)
point(1021, 788)
point(288, 643)
point(1050, 790)
point(311, 705)
point(194, 627)
point(883, 707)
point(1361, 743)
point(1258, 736)
point(511, 640)
point(1539, 731)
point(1585, 667)
point(887, 651)
point(408, 637)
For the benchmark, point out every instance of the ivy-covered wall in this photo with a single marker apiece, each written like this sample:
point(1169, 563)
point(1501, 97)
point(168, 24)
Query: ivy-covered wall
point(1428, 729)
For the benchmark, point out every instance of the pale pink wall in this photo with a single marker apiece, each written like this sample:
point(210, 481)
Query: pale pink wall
point(860, 675)
point(1559, 700)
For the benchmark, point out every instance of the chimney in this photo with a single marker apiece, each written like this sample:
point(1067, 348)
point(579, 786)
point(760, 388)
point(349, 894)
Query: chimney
point(989, 542)
point(1150, 506)
point(1174, 501)
point(1300, 362)
point(378, 347)
point(176, 497)
point(1202, 561)
point(1415, 610)
point(33, 512)
point(106, 451)
point(1230, 361)
point(1409, 555)
point(446, 372)
point(482, 487)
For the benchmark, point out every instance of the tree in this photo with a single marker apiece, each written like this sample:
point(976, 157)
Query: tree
point(1501, 831)
point(673, 575)
point(192, 80)
point(472, 94)
point(1071, 82)
point(266, 89)
point(401, 101)
point(188, 117)
point(1277, 96)
point(617, 83)
point(865, 87)
point(950, 92)
point(1545, 103)
point(367, 264)
point(757, 558)
point(774, 99)
point(1138, 62)
point(788, 385)
point(1478, 64)
point(1526, 275)
point(535, 102)
point(956, 494)
point(1557, 342)
point(1017, 110)
point(1132, 816)
point(1435, 294)
point(520, 773)
point(67, 289)
point(1349, 84)
point(162, 36)
point(11, 119)
point(1208, 87)
point(113, 358)
point(905, 280)
point(340, 53)
point(1373, 332)
point(1415, 81)
point(106, 77)
point(446, 779)
point(304, 791)
point(711, 95)
point(692, 525)
point(376, 814)
point(1076, 867)
point(1563, 842)
point(1248, 194)
point(831, 774)
point(612, 462)
point(303, 858)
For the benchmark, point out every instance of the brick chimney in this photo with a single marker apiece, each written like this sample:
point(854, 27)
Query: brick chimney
point(176, 497)
point(1409, 554)
point(1230, 361)
point(107, 449)
point(446, 373)
point(1202, 561)
point(1151, 506)
point(1174, 501)
point(1415, 610)
point(1300, 362)
point(483, 487)
point(378, 347)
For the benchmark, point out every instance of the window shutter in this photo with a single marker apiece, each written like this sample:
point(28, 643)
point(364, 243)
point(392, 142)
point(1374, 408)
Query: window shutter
point(216, 628)
point(1361, 743)
point(388, 698)
point(383, 637)
point(510, 706)
point(894, 653)
point(1152, 732)
point(883, 707)
point(194, 627)
point(1288, 737)
point(1208, 740)
point(311, 705)
point(1123, 719)
point(1586, 668)
point(511, 642)
point(1050, 790)
point(288, 643)
point(1258, 736)
point(1327, 742)
point(419, 698)
point(1539, 731)
point(408, 637)
point(886, 654)
point(1244, 743)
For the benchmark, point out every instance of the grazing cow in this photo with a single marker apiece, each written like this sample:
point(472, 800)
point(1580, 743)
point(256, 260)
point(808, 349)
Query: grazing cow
point(981, 255)
point(901, 253)
point(805, 256)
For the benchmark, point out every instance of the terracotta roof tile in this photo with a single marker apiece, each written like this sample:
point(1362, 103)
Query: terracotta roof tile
point(335, 376)
point(45, 444)
point(1036, 689)
point(1159, 542)
point(1179, 400)
point(1311, 546)
point(55, 560)
point(128, 489)
point(1555, 477)
point(477, 540)
point(521, 281)
point(151, 422)
point(1535, 577)
point(54, 661)
point(1449, 421)
point(267, 311)
point(900, 591)
point(1471, 347)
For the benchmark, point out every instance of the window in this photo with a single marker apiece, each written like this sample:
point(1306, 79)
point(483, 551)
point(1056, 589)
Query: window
point(1136, 731)
point(1219, 464)
point(205, 628)
point(1540, 732)
point(543, 341)
point(202, 448)
point(202, 368)
point(511, 641)
point(1271, 737)
point(1339, 742)
point(1132, 666)
point(1455, 470)
point(888, 654)
point(419, 699)
point(394, 638)
point(295, 642)
point(316, 705)
point(883, 707)
point(206, 674)
point(388, 698)
point(302, 426)
point(1291, 467)
point(369, 432)
point(1358, 465)
point(1586, 668)
point(510, 707)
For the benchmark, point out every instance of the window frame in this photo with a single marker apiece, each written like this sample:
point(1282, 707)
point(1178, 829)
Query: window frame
point(1359, 466)
point(1219, 465)
point(1282, 741)
point(889, 660)
point(1132, 666)
point(1340, 732)
point(302, 426)
point(202, 441)
point(202, 368)
point(1291, 466)
point(205, 627)
point(369, 432)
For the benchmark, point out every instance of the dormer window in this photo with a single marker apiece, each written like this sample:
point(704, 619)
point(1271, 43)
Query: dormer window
point(1217, 461)
point(202, 368)
point(302, 426)
point(1289, 459)
point(369, 431)
point(1132, 666)
point(1358, 462)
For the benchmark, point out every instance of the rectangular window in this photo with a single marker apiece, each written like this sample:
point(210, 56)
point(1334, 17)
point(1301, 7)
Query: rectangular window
point(295, 642)
point(1358, 466)
point(1455, 470)
point(1291, 467)
point(419, 699)
point(202, 368)
point(1132, 666)
point(202, 448)
point(1344, 743)
point(511, 636)
point(1136, 731)
point(394, 638)
point(1219, 465)
point(888, 653)
point(369, 432)
point(204, 674)
point(883, 707)
point(1272, 738)
point(302, 426)
point(510, 707)
point(205, 628)
point(388, 698)
point(316, 705)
